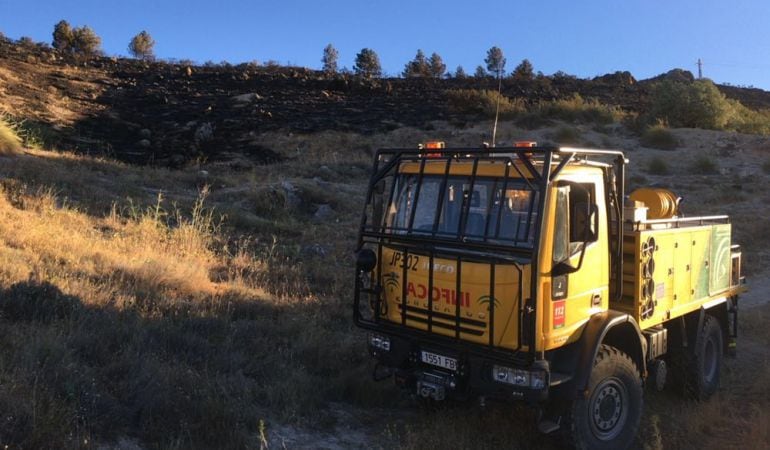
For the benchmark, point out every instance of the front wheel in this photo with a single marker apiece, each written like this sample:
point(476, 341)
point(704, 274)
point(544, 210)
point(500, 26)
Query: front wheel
point(608, 416)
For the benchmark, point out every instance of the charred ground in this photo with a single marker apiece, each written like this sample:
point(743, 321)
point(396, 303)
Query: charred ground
point(172, 113)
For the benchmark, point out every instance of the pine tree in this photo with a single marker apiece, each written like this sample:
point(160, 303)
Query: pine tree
point(524, 71)
point(495, 61)
point(62, 36)
point(367, 64)
point(480, 72)
point(460, 72)
point(85, 41)
point(141, 46)
point(329, 60)
point(418, 67)
point(437, 66)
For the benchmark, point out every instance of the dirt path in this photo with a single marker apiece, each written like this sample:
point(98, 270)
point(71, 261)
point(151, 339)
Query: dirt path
point(352, 428)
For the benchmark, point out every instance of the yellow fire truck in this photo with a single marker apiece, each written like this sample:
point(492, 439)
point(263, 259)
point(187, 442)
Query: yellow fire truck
point(521, 273)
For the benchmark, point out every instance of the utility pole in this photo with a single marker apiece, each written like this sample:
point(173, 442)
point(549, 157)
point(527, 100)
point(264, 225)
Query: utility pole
point(700, 69)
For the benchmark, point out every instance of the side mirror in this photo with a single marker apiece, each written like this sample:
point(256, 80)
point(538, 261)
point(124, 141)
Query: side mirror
point(565, 268)
point(366, 260)
point(377, 204)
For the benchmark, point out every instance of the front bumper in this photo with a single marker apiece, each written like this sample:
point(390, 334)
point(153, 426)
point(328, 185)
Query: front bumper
point(473, 377)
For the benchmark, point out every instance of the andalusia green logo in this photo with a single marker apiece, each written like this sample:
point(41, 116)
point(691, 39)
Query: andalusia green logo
point(391, 281)
point(487, 300)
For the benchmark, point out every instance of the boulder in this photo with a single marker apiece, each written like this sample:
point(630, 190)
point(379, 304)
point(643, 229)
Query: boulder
point(323, 212)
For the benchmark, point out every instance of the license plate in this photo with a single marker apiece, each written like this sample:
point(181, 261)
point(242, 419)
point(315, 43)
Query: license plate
point(439, 360)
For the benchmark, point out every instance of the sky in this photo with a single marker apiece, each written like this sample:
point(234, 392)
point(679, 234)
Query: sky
point(583, 38)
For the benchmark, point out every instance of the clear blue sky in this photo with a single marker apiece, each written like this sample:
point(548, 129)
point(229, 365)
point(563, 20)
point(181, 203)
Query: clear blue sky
point(584, 38)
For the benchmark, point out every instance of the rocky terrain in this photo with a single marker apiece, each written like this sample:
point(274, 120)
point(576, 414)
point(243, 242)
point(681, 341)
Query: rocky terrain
point(173, 113)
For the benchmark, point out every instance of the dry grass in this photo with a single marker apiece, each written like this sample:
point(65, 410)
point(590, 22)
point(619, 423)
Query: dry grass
point(142, 253)
point(129, 308)
point(737, 416)
point(10, 144)
point(575, 109)
point(135, 302)
point(484, 103)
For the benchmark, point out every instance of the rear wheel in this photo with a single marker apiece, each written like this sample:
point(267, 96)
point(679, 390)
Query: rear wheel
point(608, 416)
point(704, 362)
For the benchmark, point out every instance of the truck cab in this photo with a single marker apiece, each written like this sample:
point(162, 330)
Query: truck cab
point(500, 273)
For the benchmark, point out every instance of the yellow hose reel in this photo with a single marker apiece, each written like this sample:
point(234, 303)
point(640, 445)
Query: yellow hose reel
point(661, 203)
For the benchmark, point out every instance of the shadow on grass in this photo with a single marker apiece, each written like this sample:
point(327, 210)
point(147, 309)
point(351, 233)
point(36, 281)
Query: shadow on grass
point(197, 375)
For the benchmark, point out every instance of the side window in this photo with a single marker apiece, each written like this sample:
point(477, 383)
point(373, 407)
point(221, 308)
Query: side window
point(576, 221)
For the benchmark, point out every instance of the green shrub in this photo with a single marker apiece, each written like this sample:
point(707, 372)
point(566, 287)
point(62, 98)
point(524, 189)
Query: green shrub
point(574, 109)
point(637, 180)
point(693, 105)
point(658, 166)
point(658, 136)
point(704, 165)
point(483, 102)
point(750, 121)
point(700, 104)
point(578, 109)
point(269, 202)
point(566, 135)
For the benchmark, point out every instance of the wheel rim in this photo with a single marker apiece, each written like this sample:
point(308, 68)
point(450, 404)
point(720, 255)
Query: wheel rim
point(709, 361)
point(609, 409)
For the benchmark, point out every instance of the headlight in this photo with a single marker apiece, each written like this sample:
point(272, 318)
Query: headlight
point(537, 380)
point(517, 377)
point(510, 376)
point(379, 342)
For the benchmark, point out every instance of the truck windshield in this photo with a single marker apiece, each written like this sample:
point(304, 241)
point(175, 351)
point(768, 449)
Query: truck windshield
point(488, 209)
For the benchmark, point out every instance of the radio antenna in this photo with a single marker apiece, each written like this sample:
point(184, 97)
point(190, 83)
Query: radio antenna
point(497, 106)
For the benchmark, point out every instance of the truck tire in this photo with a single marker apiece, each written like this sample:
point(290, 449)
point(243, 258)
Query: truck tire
point(608, 416)
point(703, 363)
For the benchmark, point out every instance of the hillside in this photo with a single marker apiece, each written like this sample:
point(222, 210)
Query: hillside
point(203, 301)
point(165, 113)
